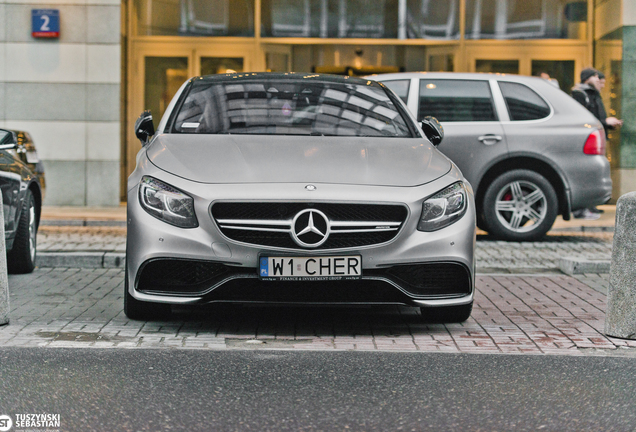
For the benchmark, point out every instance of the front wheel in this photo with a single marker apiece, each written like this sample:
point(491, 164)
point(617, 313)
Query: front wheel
point(21, 258)
point(520, 205)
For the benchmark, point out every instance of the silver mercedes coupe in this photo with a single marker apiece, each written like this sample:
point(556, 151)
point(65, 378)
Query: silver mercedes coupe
point(296, 189)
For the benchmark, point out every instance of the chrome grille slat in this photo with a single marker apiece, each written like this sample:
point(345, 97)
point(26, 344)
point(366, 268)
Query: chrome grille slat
point(348, 231)
point(270, 224)
point(255, 222)
point(247, 228)
point(366, 224)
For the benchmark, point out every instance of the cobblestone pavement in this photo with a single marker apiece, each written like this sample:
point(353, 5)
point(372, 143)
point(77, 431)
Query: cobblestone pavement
point(492, 256)
point(520, 314)
point(89, 239)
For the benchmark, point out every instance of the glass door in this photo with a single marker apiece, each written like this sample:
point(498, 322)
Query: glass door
point(162, 79)
point(220, 65)
point(559, 71)
point(157, 70)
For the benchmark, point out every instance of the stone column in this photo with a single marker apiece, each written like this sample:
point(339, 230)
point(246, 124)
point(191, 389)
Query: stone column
point(625, 175)
point(4, 280)
point(620, 317)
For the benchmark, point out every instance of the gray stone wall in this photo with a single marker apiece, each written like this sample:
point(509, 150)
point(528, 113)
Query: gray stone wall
point(65, 93)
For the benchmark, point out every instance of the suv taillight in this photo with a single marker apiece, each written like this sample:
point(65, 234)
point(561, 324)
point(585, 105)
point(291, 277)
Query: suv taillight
point(595, 143)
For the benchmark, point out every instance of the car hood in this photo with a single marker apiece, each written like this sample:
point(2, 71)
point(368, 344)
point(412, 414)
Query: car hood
point(294, 159)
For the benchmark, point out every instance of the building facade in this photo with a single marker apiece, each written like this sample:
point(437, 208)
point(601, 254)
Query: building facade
point(66, 92)
point(79, 95)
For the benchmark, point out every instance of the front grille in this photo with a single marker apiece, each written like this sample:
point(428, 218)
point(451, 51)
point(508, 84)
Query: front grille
point(270, 224)
point(179, 276)
point(432, 279)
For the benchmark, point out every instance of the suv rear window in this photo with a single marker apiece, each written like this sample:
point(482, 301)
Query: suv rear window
point(456, 100)
point(400, 87)
point(289, 107)
point(523, 103)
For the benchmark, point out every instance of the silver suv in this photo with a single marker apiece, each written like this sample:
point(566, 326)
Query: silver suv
point(530, 151)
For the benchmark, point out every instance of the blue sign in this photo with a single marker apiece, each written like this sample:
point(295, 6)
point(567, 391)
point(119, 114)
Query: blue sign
point(45, 23)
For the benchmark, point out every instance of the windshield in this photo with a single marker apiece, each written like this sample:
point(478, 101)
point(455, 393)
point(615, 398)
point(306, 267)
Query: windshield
point(289, 107)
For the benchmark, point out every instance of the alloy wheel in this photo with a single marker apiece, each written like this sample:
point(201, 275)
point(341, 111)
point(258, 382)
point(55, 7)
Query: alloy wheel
point(521, 206)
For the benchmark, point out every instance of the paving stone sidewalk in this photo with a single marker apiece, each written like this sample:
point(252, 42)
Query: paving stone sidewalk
point(514, 314)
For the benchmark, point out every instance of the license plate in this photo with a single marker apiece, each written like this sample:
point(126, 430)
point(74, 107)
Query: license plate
point(311, 268)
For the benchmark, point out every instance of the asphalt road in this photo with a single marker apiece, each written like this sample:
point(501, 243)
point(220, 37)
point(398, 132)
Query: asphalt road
point(257, 390)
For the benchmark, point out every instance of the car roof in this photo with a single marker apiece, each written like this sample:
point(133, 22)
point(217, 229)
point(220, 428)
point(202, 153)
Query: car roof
point(254, 76)
point(455, 75)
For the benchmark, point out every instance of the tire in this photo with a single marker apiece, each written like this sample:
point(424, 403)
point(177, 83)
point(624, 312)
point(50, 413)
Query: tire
point(21, 258)
point(447, 314)
point(481, 222)
point(143, 311)
point(520, 205)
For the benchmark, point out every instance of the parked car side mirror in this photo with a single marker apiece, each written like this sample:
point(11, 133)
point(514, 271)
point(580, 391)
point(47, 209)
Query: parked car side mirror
point(433, 130)
point(144, 128)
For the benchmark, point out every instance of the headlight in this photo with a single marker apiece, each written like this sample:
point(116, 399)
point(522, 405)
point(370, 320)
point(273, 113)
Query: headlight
point(444, 208)
point(167, 203)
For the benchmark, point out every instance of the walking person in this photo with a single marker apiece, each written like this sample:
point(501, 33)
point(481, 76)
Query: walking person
point(587, 93)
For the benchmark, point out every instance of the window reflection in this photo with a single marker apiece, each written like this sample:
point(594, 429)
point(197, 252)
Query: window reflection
point(195, 17)
point(526, 19)
point(286, 107)
point(456, 100)
point(431, 19)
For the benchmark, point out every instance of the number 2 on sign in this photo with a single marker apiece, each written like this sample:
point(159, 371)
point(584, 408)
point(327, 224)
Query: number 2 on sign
point(45, 23)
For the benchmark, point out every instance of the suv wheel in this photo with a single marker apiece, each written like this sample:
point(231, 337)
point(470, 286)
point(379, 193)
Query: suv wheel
point(520, 205)
point(21, 258)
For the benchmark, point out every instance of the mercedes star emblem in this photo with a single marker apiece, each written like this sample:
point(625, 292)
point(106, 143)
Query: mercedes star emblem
point(310, 228)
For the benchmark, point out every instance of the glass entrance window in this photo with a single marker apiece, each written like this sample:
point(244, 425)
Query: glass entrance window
point(163, 77)
point(218, 65)
point(560, 70)
point(526, 19)
point(497, 66)
point(277, 62)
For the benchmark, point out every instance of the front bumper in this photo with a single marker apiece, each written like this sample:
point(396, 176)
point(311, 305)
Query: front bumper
point(416, 268)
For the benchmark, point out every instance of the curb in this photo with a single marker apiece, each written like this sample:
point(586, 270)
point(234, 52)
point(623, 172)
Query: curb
point(81, 259)
point(575, 265)
point(82, 223)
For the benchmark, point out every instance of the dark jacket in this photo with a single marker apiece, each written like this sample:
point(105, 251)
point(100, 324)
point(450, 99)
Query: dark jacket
point(591, 99)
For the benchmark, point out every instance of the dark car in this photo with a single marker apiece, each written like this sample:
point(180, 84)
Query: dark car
point(22, 184)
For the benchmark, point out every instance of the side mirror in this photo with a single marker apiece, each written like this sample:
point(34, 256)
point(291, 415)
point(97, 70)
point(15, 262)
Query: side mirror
point(433, 130)
point(144, 128)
